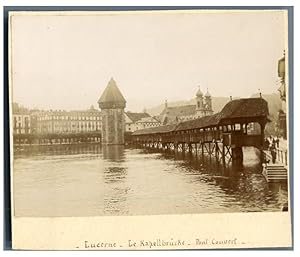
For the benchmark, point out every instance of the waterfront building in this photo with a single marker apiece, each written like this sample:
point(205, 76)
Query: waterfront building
point(60, 121)
point(203, 107)
point(112, 104)
point(21, 120)
point(135, 121)
point(282, 91)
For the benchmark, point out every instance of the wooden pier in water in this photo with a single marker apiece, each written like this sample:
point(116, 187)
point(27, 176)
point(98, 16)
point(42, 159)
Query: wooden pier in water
point(221, 135)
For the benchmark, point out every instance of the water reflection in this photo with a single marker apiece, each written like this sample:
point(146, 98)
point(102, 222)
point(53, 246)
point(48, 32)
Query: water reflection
point(64, 149)
point(114, 153)
point(243, 184)
point(114, 176)
point(83, 180)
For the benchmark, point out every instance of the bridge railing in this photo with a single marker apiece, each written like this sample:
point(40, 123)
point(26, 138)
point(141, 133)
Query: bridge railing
point(228, 138)
point(234, 137)
point(281, 156)
point(189, 136)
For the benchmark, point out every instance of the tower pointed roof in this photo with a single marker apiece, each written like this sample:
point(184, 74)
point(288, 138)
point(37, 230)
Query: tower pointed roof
point(199, 92)
point(111, 96)
point(207, 94)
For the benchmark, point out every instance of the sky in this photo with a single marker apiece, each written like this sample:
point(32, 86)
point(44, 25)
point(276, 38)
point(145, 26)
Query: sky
point(66, 61)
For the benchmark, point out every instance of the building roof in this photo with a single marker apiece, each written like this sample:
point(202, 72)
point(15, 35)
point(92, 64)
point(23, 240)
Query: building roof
point(239, 108)
point(179, 111)
point(245, 107)
point(66, 113)
point(18, 109)
point(203, 122)
point(112, 94)
point(148, 119)
point(135, 116)
point(155, 130)
point(207, 94)
point(199, 92)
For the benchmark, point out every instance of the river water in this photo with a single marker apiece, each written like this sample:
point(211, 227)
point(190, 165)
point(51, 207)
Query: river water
point(90, 180)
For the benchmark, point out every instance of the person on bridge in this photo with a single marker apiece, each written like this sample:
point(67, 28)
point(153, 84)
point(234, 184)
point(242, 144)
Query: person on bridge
point(277, 142)
point(270, 140)
point(273, 152)
point(266, 144)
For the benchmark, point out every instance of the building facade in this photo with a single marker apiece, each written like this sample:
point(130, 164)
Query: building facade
point(112, 104)
point(58, 122)
point(203, 107)
point(21, 123)
point(135, 121)
point(282, 125)
point(21, 120)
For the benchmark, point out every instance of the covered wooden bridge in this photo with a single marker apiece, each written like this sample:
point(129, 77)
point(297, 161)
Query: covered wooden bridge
point(240, 123)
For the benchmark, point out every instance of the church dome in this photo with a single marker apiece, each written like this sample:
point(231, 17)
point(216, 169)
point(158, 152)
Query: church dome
point(199, 93)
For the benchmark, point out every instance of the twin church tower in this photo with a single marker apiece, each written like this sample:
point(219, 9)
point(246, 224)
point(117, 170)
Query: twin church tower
point(203, 104)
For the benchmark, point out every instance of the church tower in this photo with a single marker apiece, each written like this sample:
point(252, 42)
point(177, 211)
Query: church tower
point(208, 104)
point(112, 104)
point(200, 112)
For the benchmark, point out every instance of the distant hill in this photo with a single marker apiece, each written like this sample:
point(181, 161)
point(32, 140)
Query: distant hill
point(274, 104)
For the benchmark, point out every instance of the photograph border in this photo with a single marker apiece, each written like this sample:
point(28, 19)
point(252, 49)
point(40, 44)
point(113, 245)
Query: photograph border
point(7, 180)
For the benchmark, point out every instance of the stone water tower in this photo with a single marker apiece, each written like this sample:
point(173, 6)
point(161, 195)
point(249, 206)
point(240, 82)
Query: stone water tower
point(112, 104)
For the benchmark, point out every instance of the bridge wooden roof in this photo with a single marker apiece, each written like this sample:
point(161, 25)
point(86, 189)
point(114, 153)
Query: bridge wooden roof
point(251, 108)
point(245, 107)
point(203, 122)
point(156, 130)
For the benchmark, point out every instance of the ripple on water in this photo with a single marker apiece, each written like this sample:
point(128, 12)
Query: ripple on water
point(118, 181)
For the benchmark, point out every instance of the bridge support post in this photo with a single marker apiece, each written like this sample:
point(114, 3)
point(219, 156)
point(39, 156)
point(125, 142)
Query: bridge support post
point(211, 151)
point(223, 154)
point(190, 148)
point(175, 148)
point(217, 151)
point(262, 138)
point(168, 146)
point(237, 155)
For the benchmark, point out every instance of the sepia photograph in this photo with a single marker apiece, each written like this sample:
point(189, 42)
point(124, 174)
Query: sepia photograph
point(167, 115)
